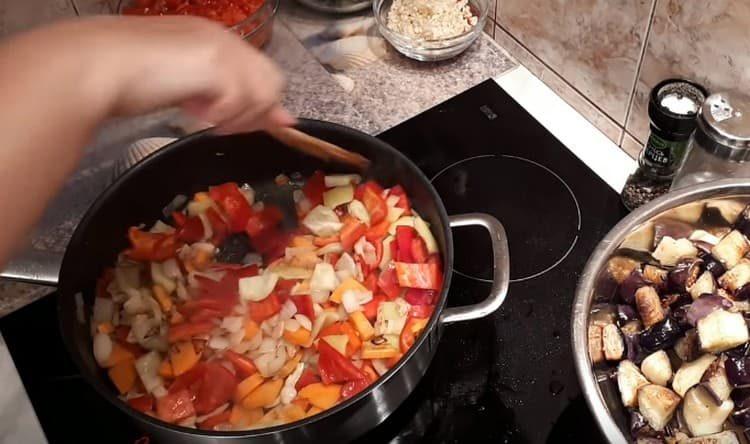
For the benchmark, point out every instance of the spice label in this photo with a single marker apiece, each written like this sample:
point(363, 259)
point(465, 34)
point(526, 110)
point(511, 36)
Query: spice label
point(664, 154)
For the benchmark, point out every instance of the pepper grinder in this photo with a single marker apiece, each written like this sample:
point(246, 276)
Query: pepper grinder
point(672, 109)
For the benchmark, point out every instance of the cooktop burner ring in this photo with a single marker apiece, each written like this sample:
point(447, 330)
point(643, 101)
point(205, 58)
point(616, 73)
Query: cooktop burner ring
point(559, 179)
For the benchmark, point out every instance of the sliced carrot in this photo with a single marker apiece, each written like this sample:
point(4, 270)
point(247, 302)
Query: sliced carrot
point(248, 385)
point(183, 357)
point(165, 369)
point(292, 412)
point(251, 328)
point(123, 376)
point(243, 417)
point(105, 327)
point(347, 285)
point(265, 395)
point(162, 297)
point(201, 259)
point(118, 355)
point(323, 241)
point(303, 242)
point(320, 395)
point(304, 404)
point(290, 365)
point(297, 337)
point(313, 411)
point(344, 328)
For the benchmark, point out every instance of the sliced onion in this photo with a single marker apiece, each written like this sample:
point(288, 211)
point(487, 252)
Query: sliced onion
point(322, 221)
point(182, 292)
point(366, 251)
point(303, 321)
point(216, 411)
point(325, 319)
point(187, 422)
point(147, 367)
point(323, 278)
point(127, 277)
point(278, 330)
point(350, 301)
point(391, 201)
point(219, 343)
point(340, 180)
point(300, 288)
point(175, 204)
point(102, 348)
point(267, 345)
point(160, 391)
point(297, 196)
point(379, 366)
point(320, 297)
point(233, 323)
point(334, 247)
point(241, 348)
point(255, 341)
point(287, 310)
point(359, 211)
point(291, 325)
point(159, 277)
point(208, 230)
point(346, 265)
point(257, 288)
point(292, 252)
point(172, 269)
point(286, 272)
point(204, 246)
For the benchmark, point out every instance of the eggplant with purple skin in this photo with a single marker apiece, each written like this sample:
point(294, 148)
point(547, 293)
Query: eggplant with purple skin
point(687, 347)
point(614, 347)
point(640, 239)
point(690, 373)
point(706, 284)
point(626, 313)
point(704, 306)
point(743, 293)
point(722, 212)
point(684, 274)
point(670, 251)
point(737, 276)
point(657, 276)
point(725, 437)
point(711, 264)
point(731, 249)
point(666, 227)
point(742, 224)
point(657, 368)
point(715, 381)
point(657, 404)
point(649, 306)
point(660, 336)
point(702, 415)
point(639, 428)
point(741, 398)
point(630, 285)
point(721, 330)
point(629, 380)
point(596, 346)
point(738, 370)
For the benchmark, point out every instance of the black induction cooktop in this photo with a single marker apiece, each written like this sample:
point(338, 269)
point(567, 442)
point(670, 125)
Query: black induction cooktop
point(506, 378)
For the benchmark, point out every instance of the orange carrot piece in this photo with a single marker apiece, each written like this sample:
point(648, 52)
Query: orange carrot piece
point(303, 242)
point(123, 376)
point(320, 395)
point(323, 241)
point(162, 297)
point(304, 404)
point(105, 327)
point(251, 328)
point(243, 417)
point(292, 412)
point(118, 355)
point(313, 411)
point(290, 365)
point(265, 395)
point(165, 369)
point(183, 357)
point(247, 385)
point(297, 337)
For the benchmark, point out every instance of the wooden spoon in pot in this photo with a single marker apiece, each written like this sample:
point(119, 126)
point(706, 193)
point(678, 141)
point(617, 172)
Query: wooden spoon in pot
point(318, 148)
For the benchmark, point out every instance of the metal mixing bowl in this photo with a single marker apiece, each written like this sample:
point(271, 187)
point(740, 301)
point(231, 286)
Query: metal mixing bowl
point(601, 391)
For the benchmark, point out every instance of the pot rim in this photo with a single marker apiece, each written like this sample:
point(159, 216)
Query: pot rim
point(584, 290)
point(432, 327)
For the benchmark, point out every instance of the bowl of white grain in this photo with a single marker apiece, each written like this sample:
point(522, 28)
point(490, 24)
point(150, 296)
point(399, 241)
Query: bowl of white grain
point(431, 30)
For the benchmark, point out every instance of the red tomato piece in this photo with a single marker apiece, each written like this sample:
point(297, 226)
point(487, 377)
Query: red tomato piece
point(304, 305)
point(189, 229)
point(426, 276)
point(419, 250)
point(260, 311)
point(218, 386)
point(404, 237)
point(351, 388)
point(403, 200)
point(419, 296)
point(314, 188)
point(147, 246)
point(388, 283)
point(371, 308)
point(307, 378)
point(421, 311)
point(242, 364)
point(233, 203)
point(374, 203)
point(143, 403)
point(371, 282)
point(335, 367)
point(218, 226)
point(175, 406)
point(186, 330)
point(190, 380)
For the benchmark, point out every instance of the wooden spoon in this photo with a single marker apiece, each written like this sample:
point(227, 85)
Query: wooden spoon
point(318, 148)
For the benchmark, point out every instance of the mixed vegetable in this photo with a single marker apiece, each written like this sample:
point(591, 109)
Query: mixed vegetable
point(672, 316)
point(223, 320)
point(228, 12)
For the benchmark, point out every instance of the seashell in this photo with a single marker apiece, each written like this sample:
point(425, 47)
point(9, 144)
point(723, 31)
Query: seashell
point(351, 52)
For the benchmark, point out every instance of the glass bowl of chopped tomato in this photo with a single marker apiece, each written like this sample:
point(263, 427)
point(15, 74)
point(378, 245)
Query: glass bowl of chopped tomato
point(250, 19)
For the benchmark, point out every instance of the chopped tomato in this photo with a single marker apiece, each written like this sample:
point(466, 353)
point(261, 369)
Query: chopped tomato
point(173, 407)
point(403, 200)
point(404, 237)
point(212, 421)
point(218, 226)
point(304, 305)
point(147, 246)
point(419, 296)
point(314, 188)
point(374, 202)
point(264, 220)
point(307, 378)
point(419, 250)
point(186, 330)
point(351, 232)
point(260, 311)
point(335, 367)
point(143, 403)
point(351, 388)
point(410, 331)
point(233, 203)
point(421, 311)
point(189, 229)
point(377, 232)
point(217, 387)
point(359, 192)
point(426, 276)
point(189, 380)
point(242, 364)
point(371, 282)
point(388, 283)
point(371, 308)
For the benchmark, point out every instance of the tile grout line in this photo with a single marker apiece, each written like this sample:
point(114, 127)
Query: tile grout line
point(75, 7)
point(585, 98)
point(638, 69)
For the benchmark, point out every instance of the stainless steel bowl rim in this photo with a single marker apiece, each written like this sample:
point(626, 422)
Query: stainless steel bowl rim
point(587, 281)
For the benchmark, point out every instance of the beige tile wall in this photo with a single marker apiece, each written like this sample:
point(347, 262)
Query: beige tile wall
point(604, 56)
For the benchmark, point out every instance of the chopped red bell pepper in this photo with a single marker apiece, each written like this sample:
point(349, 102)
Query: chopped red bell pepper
point(307, 378)
point(173, 407)
point(351, 232)
point(419, 250)
point(217, 387)
point(143, 403)
point(260, 311)
point(262, 221)
point(186, 330)
point(411, 330)
point(145, 246)
point(377, 232)
point(351, 388)
point(190, 380)
point(388, 283)
point(212, 421)
point(371, 308)
point(421, 311)
point(242, 364)
point(374, 202)
point(335, 367)
point(304, 305)
point(419, 296)
point(219, 227)
point(403, 199)
point(404, 237)
point(359, 192)
point(189, 229)
point(426, 276)
point(231, 200)
point(314, 188)
point(371, 282)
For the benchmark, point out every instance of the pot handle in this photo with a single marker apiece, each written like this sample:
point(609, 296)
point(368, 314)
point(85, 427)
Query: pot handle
point(500, 274)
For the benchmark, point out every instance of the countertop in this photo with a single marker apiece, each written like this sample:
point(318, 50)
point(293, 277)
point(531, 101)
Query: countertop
point(338, 70)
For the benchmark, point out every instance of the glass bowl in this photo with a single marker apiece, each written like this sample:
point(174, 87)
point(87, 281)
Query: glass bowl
point(337, 6)
point(256, 28)
point(430, 50)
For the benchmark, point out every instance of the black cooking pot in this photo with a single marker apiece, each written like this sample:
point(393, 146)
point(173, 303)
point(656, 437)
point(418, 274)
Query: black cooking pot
point(196, 162)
